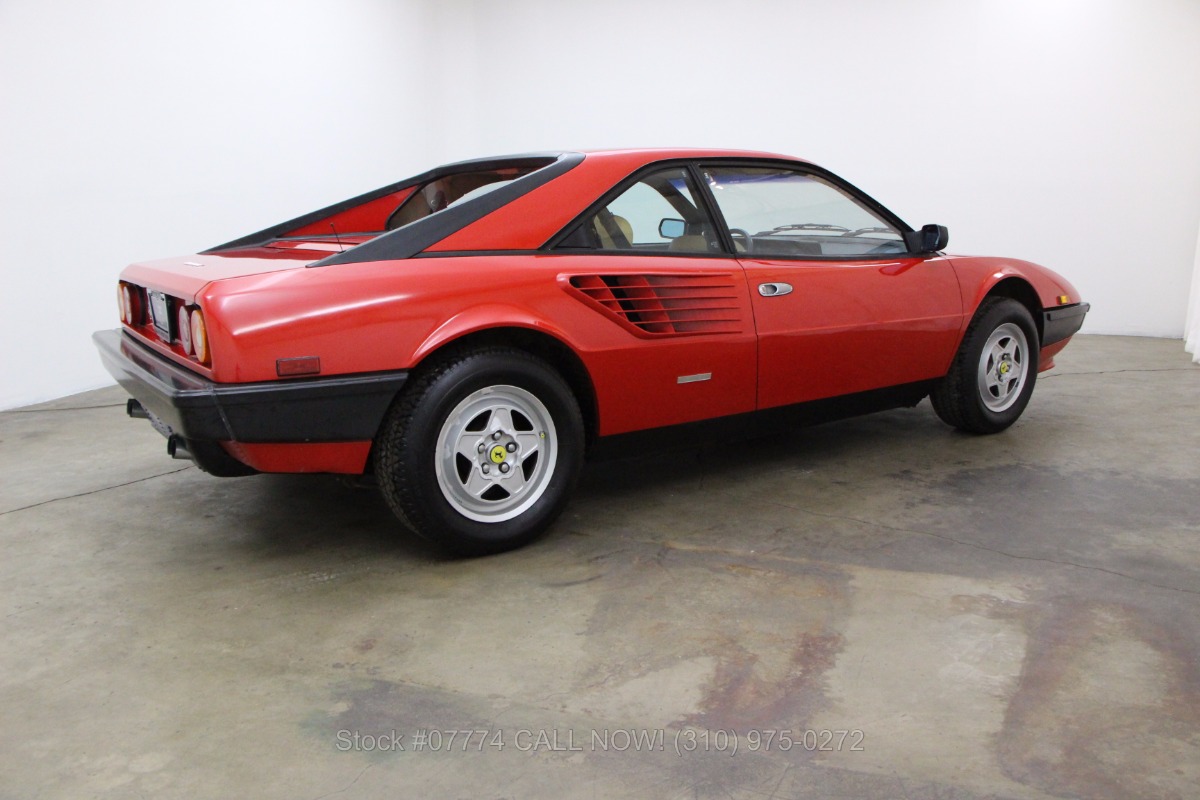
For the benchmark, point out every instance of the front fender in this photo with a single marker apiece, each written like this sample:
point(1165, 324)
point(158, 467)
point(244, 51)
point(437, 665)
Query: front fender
point(978, 276)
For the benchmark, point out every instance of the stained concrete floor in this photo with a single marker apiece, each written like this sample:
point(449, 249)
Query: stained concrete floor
point(1012, 616)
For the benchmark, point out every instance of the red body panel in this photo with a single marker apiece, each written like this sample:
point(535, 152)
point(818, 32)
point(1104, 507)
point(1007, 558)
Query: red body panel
point(847, 326)
point(340, 458)
point(184, 277)
point(389, 315)
point(978, 274)
point(853, 326)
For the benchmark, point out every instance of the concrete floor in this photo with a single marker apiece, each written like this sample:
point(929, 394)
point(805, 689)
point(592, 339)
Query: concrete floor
point(1012, 616)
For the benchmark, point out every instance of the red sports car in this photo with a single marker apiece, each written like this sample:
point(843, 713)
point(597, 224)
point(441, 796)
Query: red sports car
point(467, 334)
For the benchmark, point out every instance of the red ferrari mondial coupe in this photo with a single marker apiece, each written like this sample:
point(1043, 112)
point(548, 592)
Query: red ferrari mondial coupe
point(467, 334)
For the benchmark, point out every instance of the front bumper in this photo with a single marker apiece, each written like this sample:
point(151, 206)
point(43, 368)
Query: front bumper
point(334, 409)
point(1062, 322)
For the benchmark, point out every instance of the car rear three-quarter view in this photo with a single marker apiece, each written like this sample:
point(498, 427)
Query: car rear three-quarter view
point(468, 334)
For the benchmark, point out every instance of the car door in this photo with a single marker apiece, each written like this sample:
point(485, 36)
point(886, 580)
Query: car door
point(840, 306)
point(668, 328)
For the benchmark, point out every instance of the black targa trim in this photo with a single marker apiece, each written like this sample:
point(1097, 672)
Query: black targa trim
point(556, 163)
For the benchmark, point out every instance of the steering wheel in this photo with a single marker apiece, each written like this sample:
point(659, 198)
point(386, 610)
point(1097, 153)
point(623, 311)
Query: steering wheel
point(735, 233)
point(805, 226)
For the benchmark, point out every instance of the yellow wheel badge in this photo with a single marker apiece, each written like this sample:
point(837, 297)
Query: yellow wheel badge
point(498, 454)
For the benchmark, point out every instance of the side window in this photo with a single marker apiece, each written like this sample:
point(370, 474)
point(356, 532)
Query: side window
point(788, 213)
point(658, 214)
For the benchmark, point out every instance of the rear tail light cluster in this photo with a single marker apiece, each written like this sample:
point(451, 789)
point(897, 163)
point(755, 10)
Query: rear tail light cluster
point(198, 338)
point(192, 332)
point(131, 303)
point(187, 330)
point(184, 326)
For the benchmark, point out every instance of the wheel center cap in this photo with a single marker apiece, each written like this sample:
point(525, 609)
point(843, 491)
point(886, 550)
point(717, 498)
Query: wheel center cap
point(497, 454)
point(1004, 367)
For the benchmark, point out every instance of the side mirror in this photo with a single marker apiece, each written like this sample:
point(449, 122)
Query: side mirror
point(672, 228)
point(930, 239)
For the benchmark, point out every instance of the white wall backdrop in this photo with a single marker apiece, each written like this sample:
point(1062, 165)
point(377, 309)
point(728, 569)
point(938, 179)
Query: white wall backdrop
point(1062, 131)
point(1191, 335)
point(136, 129)
point(1066, 132)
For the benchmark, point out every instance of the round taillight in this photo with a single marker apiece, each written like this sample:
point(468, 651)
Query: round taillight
point(129, 301)
point(185, 330)
point(199, 337)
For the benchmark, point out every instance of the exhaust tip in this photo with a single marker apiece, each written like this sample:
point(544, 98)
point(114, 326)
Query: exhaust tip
point(136, 410)
point(177, 448)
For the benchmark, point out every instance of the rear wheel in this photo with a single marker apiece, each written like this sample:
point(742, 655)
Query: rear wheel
point(481, 451)
point(992, 377)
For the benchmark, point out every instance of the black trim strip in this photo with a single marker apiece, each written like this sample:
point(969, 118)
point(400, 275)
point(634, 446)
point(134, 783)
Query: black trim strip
point(714, 211)
point(407, 241)
point(473, 253)
point(1062, 322)
point(333, 409)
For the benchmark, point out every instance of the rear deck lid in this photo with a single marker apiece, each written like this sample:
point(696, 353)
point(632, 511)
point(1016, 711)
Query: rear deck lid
point(185, 276)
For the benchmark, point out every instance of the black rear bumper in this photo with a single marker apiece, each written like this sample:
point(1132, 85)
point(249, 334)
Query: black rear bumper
point(334, 409)
point(1062, 322)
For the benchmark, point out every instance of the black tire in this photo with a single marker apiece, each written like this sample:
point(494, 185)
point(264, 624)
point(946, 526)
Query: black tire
point(963, 398)
point(429, 487)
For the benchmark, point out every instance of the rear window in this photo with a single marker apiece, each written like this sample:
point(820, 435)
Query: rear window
point(451, 190)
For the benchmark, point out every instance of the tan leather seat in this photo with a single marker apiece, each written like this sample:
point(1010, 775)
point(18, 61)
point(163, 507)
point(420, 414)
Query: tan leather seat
point(625, 227)
point(689, 243)
point(607, 242)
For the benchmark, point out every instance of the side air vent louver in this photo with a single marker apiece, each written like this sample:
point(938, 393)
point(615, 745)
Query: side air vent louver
point(666, 305)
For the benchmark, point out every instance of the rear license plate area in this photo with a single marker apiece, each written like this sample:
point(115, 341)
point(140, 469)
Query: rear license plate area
point(160, 315)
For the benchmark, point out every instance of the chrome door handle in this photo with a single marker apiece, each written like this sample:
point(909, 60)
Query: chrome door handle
point(774, 289)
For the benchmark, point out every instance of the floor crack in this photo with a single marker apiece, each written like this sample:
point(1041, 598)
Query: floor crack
point(70, 408)
point(348, 785)
point(1114, 371)
point(94, 491)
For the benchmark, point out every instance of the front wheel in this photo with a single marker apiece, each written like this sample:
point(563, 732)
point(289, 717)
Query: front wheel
point(992, 376)
point(481, 452)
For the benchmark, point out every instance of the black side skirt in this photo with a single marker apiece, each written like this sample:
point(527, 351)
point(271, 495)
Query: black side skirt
point(759, 423)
